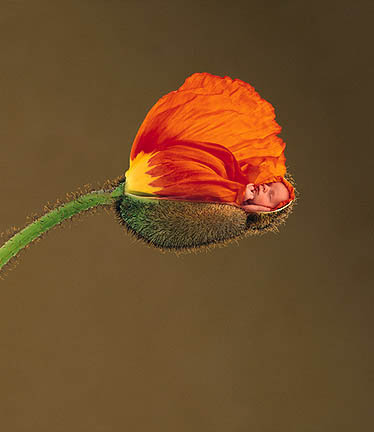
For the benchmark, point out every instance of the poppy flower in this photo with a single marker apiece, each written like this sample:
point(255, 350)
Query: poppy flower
point(205, 142)
point(193, 156)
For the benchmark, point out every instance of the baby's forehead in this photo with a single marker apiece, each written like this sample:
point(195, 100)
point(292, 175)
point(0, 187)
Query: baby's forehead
point(279, 188)
point(277, 184)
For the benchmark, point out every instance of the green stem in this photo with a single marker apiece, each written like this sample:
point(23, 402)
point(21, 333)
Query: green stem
point(54, 217)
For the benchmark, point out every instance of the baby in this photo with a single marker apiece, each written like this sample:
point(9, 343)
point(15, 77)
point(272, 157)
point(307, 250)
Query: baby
point(264, 197)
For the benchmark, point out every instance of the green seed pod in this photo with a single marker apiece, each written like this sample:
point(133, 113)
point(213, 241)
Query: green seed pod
point(184, 226)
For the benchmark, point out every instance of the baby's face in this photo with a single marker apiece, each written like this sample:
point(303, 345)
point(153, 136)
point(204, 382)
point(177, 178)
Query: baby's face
point(269, 194)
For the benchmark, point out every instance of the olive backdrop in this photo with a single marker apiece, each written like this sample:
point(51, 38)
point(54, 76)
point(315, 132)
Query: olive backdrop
point(101, 333)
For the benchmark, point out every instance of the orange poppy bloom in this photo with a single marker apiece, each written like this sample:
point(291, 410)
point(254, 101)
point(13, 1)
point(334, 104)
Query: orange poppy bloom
point(205, 142)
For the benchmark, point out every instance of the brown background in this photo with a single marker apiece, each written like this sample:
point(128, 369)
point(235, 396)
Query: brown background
point(100, 333)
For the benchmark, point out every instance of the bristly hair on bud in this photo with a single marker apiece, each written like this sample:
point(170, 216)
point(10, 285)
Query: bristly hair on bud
point(188, 226)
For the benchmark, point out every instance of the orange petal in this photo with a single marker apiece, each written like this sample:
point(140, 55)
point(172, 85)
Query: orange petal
point(212, 109)
point(190, 171)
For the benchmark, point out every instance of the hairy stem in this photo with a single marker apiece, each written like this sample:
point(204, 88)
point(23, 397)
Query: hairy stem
point(54, 217)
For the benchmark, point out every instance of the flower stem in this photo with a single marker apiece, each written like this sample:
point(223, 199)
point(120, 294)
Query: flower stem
point(28, 234)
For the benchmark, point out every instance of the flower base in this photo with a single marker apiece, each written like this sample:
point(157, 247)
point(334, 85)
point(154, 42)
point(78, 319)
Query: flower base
point(185, 226)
